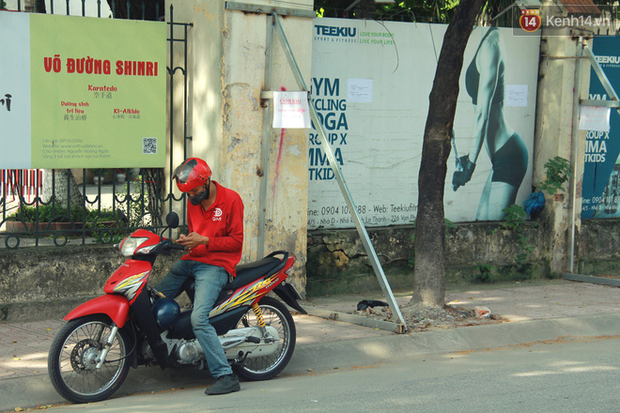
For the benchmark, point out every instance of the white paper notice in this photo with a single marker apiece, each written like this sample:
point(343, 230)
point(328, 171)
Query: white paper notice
point(359, 90)
point(516, 95)
point(594, 118)
point(290, 110)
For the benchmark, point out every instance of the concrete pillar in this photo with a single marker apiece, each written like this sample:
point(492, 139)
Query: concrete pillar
point(555, 135)
point(204, 111)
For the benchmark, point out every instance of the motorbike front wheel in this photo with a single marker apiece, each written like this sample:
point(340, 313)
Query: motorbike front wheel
point(277, 316)
point(74, 355)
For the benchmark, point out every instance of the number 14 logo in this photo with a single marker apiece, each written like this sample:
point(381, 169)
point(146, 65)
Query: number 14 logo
point(530, 20)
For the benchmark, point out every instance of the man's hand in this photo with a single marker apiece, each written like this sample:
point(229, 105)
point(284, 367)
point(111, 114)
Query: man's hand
point(192, 240)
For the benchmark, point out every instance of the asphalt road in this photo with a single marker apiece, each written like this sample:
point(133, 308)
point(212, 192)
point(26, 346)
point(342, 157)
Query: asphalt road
point(576, 375)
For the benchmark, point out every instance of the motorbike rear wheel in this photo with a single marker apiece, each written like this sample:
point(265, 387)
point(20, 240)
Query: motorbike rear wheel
point(278, 316)
point(74, 354)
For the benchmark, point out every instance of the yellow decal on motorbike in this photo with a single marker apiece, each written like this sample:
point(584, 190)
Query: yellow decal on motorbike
point(130, 285)
point(244, 296)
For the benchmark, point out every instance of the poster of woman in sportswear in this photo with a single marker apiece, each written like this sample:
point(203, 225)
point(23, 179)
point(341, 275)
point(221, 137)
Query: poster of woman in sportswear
point(485, 84)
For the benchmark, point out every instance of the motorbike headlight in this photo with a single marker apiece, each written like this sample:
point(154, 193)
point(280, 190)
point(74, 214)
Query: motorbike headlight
point(146, 250)
point(131, 244)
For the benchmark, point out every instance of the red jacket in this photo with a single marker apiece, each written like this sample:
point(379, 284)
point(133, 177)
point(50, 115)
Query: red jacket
point(222, 222)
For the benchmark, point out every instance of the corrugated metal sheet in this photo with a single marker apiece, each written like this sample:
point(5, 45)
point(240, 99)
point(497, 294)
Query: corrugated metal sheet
point(580, 7)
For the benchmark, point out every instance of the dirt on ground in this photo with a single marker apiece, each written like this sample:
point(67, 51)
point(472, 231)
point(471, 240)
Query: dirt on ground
point(421, 317)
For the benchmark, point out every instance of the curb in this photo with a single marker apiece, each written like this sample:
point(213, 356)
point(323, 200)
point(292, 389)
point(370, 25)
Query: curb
point(355, 319)
point(461, 339)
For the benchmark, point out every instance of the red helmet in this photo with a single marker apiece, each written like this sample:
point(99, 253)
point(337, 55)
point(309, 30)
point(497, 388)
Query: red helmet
point(192, 173)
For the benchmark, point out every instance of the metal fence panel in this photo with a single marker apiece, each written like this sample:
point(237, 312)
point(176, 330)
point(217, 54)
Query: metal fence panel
point(60, 207)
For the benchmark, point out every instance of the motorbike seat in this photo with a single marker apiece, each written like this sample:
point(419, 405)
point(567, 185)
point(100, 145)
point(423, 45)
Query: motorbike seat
point(246, 273)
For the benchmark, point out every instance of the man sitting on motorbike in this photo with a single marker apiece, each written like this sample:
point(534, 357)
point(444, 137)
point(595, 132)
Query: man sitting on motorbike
point(214, 242)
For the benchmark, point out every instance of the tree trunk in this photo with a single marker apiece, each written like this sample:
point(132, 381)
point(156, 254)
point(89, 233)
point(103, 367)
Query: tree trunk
point(429, 272)
point(34, 6)
point(65, 190)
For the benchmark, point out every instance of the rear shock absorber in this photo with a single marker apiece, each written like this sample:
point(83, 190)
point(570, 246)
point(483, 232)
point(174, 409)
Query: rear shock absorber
point(259, 315)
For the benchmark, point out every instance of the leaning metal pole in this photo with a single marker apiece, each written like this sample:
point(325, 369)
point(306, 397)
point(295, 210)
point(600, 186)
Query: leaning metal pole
point(262, 199)
point(600, 73)
point(372, 255)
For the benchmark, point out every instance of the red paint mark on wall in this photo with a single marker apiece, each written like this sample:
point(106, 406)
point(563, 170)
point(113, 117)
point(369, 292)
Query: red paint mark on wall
point(281, 145)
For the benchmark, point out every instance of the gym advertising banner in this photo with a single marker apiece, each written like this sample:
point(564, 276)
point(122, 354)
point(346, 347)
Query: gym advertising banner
point(601, 174)
point(80, 92)
point(370, 86)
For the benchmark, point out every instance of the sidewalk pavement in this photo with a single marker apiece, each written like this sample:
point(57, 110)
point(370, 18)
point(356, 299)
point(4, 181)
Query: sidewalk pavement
point(534, 311)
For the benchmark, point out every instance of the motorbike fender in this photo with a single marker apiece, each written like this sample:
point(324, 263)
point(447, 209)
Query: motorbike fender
point(114, 306)
point(289, 295)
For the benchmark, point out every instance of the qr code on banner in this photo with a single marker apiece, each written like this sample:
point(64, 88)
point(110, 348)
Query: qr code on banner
point(149, 145)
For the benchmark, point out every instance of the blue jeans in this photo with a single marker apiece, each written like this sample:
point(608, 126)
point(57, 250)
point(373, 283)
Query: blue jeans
point(209, 280)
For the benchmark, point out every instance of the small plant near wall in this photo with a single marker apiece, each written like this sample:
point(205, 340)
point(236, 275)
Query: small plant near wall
point(557, 172)
point(484, 274)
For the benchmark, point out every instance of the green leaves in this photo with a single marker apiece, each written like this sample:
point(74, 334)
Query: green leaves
point(515, 220)
point(46, 213)
point(558, 171)
point(515, 217)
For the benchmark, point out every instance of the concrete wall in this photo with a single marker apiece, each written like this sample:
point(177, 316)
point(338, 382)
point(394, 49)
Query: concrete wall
point(337, 262)
point(49, 281)
point(43, 282)
point(598, 249)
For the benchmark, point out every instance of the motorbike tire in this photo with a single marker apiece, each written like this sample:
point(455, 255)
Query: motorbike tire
point(71, 360)
point(278, 316)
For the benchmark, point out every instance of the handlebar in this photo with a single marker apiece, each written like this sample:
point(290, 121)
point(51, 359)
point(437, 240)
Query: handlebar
point(167, 245)
point(171, 244)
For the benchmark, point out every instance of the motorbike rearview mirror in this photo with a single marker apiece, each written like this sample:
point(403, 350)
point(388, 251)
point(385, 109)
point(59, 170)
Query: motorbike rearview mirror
point(172, 219)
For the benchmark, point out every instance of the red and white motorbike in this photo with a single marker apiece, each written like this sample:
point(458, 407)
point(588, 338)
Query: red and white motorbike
point(133, 325)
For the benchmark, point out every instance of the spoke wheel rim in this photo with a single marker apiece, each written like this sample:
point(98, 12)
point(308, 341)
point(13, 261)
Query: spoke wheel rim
point(274, 318)
point(79, 355)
